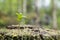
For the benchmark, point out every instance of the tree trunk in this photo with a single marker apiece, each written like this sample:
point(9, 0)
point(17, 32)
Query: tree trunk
point(37, 12)
point(24, 10)
point(24, 6)
point(54, 15)
point(18, 6)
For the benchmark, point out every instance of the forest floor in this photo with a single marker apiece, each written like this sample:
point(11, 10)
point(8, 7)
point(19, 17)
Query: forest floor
point(45, 32)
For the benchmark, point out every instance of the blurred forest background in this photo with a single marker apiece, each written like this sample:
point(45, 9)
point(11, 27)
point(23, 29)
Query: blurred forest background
point(9, 8)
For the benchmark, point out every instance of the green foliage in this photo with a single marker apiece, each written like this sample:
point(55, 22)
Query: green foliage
point(20, 16)
point(8, 8)
point(29, 5)
point(3, 23)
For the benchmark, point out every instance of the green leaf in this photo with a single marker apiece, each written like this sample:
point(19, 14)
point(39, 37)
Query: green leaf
point(19, 16)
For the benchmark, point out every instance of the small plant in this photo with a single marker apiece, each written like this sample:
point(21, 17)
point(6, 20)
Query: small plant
point(20, 16)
